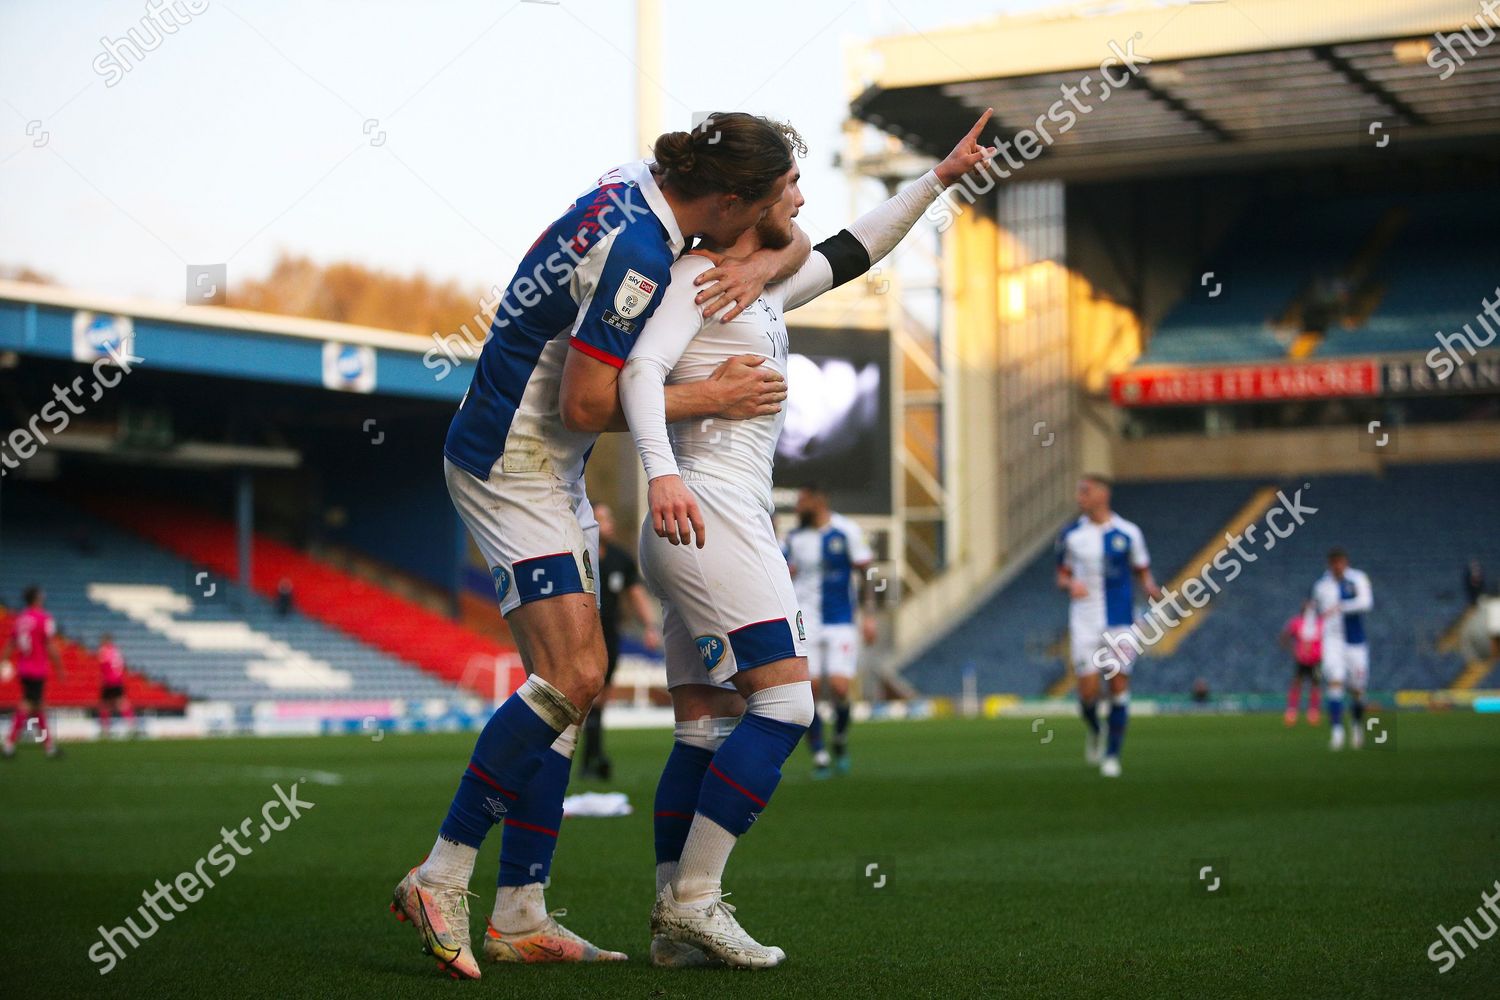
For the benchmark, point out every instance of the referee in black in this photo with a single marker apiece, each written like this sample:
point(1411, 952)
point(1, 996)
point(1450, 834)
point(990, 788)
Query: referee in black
point(619, 582)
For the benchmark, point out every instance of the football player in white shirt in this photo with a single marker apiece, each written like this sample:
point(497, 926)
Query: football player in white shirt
point(735, 641)
point(1343, 595)
point(1100, 556)
point(828, 557)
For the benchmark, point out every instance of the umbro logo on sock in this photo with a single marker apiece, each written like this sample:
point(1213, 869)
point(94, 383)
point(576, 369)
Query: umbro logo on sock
point(495, 806)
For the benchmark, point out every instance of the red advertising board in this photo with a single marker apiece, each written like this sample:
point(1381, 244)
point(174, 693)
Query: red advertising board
point(1246, 383)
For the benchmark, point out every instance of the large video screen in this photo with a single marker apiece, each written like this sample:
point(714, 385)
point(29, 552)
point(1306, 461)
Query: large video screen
point(838, 419)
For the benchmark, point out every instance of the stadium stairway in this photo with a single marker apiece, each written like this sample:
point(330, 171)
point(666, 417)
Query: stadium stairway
point(352, 606)
point(79, 685)
point(1411, 530)
point(227, 646)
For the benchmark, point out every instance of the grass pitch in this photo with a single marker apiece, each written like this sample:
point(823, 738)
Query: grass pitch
point(1008, 867)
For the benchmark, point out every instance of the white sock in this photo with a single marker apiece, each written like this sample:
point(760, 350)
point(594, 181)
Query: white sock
point(519, 908)
point(566, 742)
point(665, 872)
point(700, 870)
point(449, 864)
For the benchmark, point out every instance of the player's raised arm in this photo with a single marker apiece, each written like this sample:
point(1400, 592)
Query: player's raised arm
point(852, 252)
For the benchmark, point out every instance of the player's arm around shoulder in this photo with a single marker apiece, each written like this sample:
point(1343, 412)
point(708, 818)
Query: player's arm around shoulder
point(738, 281)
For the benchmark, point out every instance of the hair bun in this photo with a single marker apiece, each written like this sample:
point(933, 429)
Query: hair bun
point(674, 151)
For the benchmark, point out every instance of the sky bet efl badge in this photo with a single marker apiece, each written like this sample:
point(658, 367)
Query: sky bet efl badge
point(633, 294)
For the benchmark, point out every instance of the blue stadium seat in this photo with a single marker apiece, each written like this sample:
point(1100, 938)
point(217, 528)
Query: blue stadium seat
point(1412, 530)
point(234, 648)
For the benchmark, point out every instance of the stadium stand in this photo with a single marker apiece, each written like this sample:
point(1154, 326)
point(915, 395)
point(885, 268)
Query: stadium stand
point(1445, 260)
point(1430, 275)
point(1016, 641)
point(1264, 272)
point(1411, 531)
point(351, 605)
point(231, 646)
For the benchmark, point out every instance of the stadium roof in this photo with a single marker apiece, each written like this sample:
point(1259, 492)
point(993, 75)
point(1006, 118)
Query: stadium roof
point(1227, 80)
point(231, 343)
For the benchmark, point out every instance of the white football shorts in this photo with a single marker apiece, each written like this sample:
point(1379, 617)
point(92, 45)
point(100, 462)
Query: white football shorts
point(537, 533)
point(728, 606)
point(1346, 664)
point(1106, 649)
point(833, 651)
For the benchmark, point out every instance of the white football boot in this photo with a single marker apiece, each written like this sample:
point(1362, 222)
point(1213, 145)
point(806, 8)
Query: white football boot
point(711, 927)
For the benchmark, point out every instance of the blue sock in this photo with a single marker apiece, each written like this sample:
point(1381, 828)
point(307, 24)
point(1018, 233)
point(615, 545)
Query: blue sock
point(1336, 711)
point(815, 733)
point(746, 770)
point(506, 755)
point(840, 727)
point(1119, 713)
point(1090, 712)
point(532, 822)
point(677, 798)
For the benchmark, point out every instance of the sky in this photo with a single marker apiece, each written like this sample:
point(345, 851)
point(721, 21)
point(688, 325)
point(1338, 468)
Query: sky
point(439, 137)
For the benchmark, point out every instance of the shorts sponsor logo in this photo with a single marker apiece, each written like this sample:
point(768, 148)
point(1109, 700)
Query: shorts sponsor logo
point(711, 648)
point(502, 582)
point(633, 295)
point(588, 572)
point(801, 632)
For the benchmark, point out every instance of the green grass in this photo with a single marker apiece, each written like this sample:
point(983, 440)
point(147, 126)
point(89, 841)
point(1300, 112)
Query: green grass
point(1011, 869)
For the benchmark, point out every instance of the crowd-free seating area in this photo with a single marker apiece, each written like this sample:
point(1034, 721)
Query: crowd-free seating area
point(1404, 267)
point(205, 638)
point(1412, 530)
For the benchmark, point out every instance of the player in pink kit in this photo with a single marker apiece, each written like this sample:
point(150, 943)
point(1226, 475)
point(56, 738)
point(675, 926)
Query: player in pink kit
point(112, 685)
point(1303, 635)
point(33, 641)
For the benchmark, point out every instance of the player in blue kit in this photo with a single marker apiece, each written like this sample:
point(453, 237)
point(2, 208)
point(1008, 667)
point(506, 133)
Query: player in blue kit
point(828, 557)
point(1100, 557)
point(1343, 595)
point(543, 388)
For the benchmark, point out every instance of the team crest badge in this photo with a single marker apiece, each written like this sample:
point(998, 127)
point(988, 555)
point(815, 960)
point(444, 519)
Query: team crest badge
point(801, 632)
point(502, 581)
point(633, 294)
point(1118, 542)
point(711, 648)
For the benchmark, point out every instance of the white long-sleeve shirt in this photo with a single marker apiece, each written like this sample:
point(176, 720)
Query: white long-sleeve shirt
point(679, 345)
